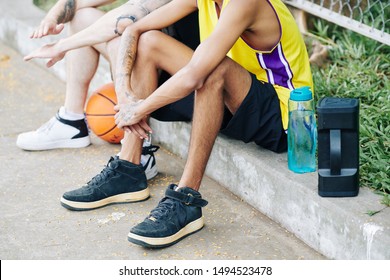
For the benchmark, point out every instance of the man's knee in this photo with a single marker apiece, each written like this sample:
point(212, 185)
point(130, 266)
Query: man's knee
point(149, 42)
point(225, 66)
point(218, 75)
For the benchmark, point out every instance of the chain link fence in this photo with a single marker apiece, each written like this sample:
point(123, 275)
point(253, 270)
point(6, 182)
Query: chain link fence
point(370, 18)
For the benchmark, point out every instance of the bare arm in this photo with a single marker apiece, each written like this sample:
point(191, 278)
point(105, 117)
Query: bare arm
point(158, 19)
point(101, 31)
point(62, 12)
point(126, 58)
point(163, 17)
point(235, 19)
point(117, 19)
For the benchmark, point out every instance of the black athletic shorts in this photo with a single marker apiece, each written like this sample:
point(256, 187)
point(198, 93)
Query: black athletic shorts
point(186, 31)
point(258, 119)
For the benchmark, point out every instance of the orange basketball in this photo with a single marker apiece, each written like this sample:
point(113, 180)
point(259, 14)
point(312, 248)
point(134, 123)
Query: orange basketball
point(100, 114)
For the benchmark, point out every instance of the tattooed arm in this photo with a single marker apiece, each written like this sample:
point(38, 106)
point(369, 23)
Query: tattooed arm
point(103, 30)
point(127, 102)
point(111, 24)
point(157, 20)
point(62, 12)
point(126, 59)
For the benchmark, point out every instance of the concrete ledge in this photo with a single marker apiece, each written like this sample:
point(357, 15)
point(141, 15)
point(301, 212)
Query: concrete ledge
point(336, 227)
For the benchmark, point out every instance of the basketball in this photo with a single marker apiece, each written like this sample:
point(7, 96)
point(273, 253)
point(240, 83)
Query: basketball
point(100, 114)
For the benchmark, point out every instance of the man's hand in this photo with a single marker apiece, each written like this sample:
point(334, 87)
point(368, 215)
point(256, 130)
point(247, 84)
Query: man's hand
point(48, 51)
point(129, 119)
point(47, 27)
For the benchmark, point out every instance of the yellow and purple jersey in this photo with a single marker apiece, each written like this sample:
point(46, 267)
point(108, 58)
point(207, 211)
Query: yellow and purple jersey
point(286, 66)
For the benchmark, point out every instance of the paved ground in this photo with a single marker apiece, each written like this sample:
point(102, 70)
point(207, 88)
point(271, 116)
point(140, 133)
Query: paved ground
point(33, 225)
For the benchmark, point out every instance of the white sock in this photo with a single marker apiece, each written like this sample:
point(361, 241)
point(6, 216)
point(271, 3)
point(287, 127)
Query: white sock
point(65, 114)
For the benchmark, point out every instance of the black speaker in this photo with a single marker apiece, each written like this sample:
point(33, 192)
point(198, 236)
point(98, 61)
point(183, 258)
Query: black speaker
point(338, 147)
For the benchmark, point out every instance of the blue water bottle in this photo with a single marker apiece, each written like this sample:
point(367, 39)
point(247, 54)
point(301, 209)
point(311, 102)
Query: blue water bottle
point(302, 131)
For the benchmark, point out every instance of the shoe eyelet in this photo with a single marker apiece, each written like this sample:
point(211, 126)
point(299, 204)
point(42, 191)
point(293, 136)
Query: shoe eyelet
point(190, 199)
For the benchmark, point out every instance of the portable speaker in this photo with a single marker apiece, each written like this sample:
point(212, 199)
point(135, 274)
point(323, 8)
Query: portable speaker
point(338, 147)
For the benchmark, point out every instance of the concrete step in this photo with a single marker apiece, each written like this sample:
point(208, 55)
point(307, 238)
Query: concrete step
point(339, 228)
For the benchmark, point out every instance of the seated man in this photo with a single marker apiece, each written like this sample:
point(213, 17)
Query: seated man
point(91, 33)
point(250, 57)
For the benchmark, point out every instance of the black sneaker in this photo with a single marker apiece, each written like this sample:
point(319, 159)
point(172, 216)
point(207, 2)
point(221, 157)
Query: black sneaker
point(119, 182)
point(177, 215)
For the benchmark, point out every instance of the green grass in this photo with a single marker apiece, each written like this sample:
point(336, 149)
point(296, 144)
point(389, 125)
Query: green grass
point(359, 67)
point(44, 4)
point(47, 4)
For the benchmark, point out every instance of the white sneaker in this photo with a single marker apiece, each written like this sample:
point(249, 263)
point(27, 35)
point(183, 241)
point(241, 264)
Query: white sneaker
point(56, 133)
point(148, 161)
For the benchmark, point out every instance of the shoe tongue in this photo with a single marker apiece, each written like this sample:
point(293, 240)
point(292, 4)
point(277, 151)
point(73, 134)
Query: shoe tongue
point(186, 190)
point(113, 162)
point(149, 149)
point(114, 158)
point(176, 188)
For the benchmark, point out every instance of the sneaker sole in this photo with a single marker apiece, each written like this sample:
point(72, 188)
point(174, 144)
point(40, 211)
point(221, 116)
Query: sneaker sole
point(120, 198)
point(161, 242)
point(74, 143)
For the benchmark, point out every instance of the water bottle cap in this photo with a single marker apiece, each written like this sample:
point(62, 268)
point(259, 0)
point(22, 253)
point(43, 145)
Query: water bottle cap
point(301, 94)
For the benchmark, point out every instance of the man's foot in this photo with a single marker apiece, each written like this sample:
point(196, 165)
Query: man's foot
point(56, 133)
point(119, 182)
point(177, 215)
point(148, 160)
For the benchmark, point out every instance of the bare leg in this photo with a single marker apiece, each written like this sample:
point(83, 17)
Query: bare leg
point(227, 85)
point(81, 67)
point(81, 64)
point(79, 75)
point(145, 76)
